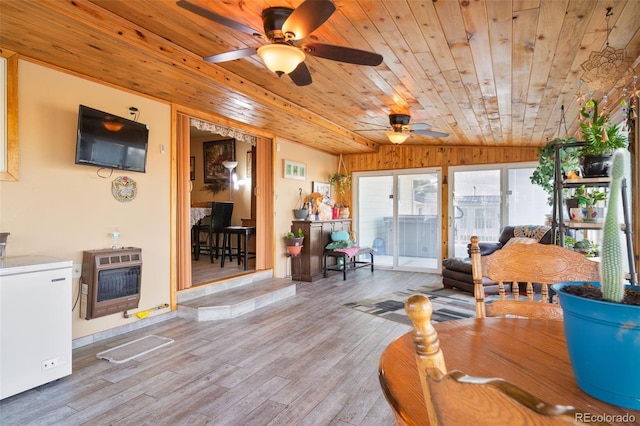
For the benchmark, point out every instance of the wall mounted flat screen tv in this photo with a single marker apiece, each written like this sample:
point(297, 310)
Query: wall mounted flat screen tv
point(105, 140)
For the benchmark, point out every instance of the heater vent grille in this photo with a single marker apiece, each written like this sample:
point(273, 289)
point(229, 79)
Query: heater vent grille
point(122, 259)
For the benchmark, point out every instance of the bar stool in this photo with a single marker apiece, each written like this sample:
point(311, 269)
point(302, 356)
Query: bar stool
point(242, 250)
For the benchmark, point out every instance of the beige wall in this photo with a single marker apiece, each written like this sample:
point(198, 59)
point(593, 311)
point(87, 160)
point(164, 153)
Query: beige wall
point(60, 209)
point(320, 167)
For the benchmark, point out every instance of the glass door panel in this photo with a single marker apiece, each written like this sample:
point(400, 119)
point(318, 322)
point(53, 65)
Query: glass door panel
point(374, 216)
point(476, 207)
point(418, 221)
point(398, 214)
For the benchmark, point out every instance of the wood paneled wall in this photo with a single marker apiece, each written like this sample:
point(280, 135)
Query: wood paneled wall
point(418, 156)
point(415, 156)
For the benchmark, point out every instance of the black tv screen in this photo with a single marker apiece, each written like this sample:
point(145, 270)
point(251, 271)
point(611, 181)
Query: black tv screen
point(105, 140)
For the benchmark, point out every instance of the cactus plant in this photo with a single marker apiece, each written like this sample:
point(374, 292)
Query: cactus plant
point(611, 272)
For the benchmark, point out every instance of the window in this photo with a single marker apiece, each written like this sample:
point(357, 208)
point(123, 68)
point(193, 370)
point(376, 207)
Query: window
point(486, 198)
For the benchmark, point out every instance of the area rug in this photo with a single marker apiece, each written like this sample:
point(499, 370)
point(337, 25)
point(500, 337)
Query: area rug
point(447, 304)
point(135, 348)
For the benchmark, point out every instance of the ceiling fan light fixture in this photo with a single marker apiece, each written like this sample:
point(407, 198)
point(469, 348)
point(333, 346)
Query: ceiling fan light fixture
point(397, 138)
point(281, 58)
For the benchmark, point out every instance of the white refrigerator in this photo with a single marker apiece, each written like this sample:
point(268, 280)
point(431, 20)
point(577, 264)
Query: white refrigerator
point(35, 322)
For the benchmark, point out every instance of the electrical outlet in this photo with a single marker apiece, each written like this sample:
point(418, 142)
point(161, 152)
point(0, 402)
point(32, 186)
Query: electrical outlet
point(52, 363)
point(77, 270)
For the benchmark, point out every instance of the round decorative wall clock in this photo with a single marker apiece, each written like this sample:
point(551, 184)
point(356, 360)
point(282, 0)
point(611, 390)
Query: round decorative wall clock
point(124, 189)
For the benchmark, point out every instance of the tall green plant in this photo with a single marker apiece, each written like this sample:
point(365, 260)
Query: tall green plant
point(611, 272)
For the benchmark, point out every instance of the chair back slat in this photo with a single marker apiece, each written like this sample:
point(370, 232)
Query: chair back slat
point(526, 267)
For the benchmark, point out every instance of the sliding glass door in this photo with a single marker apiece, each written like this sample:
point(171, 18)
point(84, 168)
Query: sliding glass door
point(398, 213)
point(484, 199)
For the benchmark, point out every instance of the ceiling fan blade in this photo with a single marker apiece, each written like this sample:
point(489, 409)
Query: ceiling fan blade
point(420, 126)
point(342, 54)
point(212, 16)
point(301, 75)
point(430, 133)
point(230, 56)
point(307, 17)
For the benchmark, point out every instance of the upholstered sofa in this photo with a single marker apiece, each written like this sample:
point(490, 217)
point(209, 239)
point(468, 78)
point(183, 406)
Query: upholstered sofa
point(456, 271)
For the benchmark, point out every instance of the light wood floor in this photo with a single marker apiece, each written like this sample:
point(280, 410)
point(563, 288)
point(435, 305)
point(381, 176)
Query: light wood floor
point(304, 361)
point(203, 271)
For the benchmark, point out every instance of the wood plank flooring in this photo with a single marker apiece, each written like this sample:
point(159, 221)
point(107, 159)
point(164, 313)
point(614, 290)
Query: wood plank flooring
point(203, 271)
point(306, 360)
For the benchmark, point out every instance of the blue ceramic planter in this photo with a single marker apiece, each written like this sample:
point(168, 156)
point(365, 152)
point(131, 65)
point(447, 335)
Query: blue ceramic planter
point(603, 339)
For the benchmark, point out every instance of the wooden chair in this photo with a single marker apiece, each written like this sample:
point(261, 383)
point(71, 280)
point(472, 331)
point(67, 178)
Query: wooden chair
point(518, 264)
point(208, 233)
point(454, 398)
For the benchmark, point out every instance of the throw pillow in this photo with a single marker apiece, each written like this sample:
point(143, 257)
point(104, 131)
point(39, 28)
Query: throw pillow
point(520, 240)
point(339, 236)
point(530, 231)
point(340, 244)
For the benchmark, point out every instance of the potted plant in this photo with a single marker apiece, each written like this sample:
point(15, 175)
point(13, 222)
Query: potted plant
point(589, 201)
point(585, 246)
point(293, 242)
point(544, 174)
point(602, 320)
point(601, 139)
point(341, 182)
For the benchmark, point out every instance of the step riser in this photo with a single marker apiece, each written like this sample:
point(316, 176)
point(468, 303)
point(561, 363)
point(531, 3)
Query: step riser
point(206, 303)
point(215, 313)
point(200, 291)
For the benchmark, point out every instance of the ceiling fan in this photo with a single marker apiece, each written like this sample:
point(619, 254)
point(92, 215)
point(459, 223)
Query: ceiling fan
point(283, 26)
point(401, 130)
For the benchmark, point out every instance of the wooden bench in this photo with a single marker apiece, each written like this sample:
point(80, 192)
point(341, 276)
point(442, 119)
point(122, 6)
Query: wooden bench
point(348, 262)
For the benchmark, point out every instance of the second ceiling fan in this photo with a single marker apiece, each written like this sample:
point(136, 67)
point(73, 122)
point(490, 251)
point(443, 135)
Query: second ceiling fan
point(283, 26)
point(400, 129)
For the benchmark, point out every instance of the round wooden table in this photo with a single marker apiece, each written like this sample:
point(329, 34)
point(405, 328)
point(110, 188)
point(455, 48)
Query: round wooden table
point(531, 354)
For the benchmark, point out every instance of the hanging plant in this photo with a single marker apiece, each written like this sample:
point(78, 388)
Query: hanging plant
point(544, 174)
point(341, 182)
point(601, 137)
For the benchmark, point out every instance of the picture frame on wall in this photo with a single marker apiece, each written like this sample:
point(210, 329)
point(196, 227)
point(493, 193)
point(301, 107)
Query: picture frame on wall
point(249, 164)
point(192, 168)
point(323, 188)
point(293, 170)
point(214, 153)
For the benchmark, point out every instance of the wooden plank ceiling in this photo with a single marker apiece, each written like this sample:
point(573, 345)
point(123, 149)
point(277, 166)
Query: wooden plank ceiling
point(487, 72)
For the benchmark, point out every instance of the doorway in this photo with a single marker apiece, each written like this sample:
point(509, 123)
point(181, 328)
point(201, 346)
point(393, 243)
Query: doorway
point(247, 191)
point(399, 214)
point(229, 186)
